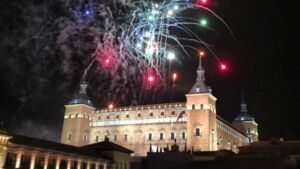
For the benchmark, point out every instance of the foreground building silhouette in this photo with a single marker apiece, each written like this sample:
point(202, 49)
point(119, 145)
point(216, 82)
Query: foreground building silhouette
point(21, 152)
point(195, 123)
point(273, 154)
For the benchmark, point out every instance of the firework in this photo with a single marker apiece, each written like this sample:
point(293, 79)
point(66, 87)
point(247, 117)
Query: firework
point(132, 39)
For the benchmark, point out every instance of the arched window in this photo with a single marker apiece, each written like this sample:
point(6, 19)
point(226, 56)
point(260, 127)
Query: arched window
point(99, 117)
point(107, 117)
point(162, 113)
point(161, 136)
point(201, 106)
point(117, 116)
point(173, 113)
point(173, 135)
point(151, 114)
point(97, 138)
point(127, 116)
point(198, 132)
point(150, 136)
point(139, 115)
point(193, 106)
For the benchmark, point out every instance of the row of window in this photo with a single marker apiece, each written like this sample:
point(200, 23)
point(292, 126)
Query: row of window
point(161, 136)
point(149, 137)
point(139, 115)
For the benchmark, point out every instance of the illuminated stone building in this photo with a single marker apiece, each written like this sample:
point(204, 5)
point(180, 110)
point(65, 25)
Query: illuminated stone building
point(194, 124)
point(21, 152)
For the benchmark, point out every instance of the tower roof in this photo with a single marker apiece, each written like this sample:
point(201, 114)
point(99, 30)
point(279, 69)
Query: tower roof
point(200, 86)
point(244, 116)
point(81, 97)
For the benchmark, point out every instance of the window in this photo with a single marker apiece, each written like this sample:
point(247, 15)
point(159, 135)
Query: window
point(107, 117)
point(173, 113)
point(70, 115)
point(76, 115)
point(139, 115)
point(162, 113)
point(197, 131)
point(183, 135)
point(99, 118)
point(150, 136)
point(97, 138)
point(183, 113)
point(127, 116)
point(172, 135)
point(193, 106)
point(151, 114)
point(201, 105)
point(70, 136)
point(161, 136)
point(115, 137)
point(125, 137)
point(117, 116)
point(248, 131)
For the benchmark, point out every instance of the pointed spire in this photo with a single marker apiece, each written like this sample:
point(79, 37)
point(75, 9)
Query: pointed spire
point(244, 116)
point(200, 86)
point(83, 87)
point(243, 104)
point(81, 97)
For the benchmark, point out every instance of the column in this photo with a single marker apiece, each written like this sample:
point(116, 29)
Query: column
point(97, 166)
point(78, 164)
point(104, 165)
point(57, 164)
point(32, 161)
point(69, 164)
point(18, 160)
point(46, 161)
point(88, 165)
point(3, 156)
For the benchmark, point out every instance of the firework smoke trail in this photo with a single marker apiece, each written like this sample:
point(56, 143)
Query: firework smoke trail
point(130, 39)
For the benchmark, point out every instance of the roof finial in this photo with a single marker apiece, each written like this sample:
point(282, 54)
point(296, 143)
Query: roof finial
point(243, 98)
point(243, 104)
point(200, 86)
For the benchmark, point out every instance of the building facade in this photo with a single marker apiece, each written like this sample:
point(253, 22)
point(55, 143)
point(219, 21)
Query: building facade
point(194, 124)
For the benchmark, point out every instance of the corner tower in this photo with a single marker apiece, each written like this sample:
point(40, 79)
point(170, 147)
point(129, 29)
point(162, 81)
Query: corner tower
point(201, 115)
point(78, 114)
point(245, 123)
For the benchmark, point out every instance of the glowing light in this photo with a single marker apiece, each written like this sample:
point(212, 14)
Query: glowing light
point(171, 55)
point(139, 45)
point(107, 61)
point(203, 22)
point(110, 106)
point(151, 17)
point(201, 53)
point(87, 12)
point(203, 1)
point(147, 34)
point(176, 7)
point(174, 77)
point(170, 12)
point(223, 66)
point(151, 78)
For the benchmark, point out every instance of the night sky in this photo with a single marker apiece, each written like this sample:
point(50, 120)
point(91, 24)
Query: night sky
point(262, 63)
